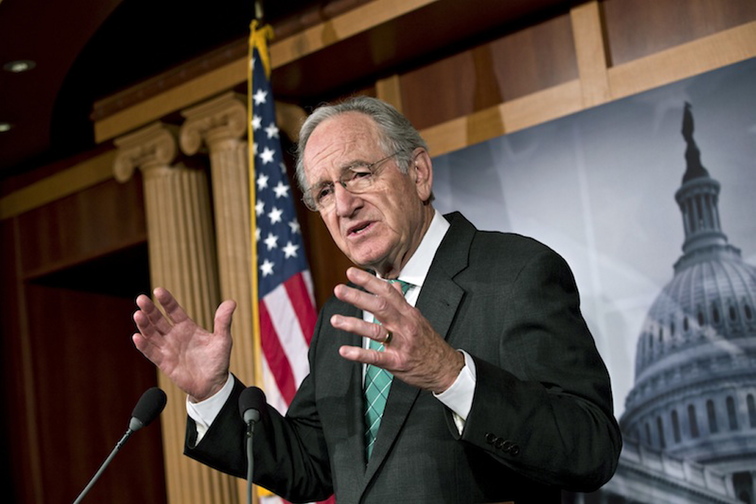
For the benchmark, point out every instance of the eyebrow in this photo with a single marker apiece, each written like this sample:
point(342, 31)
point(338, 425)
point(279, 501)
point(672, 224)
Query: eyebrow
point(343, 170)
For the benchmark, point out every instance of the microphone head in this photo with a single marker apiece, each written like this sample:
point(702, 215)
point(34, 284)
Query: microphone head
point(148, 408)
point(251, 402)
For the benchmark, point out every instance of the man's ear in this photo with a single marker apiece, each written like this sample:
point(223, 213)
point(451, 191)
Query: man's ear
point(421, 170)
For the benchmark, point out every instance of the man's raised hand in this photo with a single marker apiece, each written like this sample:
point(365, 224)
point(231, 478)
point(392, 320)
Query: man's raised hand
point(194, 359)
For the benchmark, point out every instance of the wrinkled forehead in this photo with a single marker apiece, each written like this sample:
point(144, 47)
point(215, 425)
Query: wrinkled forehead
point(339, 142)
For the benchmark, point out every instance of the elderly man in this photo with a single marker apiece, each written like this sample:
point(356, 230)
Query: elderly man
point(492, 385)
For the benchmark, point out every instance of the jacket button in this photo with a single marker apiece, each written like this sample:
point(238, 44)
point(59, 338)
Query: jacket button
point(491, 438)
point(514, 450)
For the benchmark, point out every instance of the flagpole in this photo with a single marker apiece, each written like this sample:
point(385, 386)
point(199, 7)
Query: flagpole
point(259, 11)
point(258, 375)
point(257, 30)
point(252, 230)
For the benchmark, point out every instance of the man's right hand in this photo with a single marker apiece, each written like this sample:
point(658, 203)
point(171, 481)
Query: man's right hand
point(194, 359)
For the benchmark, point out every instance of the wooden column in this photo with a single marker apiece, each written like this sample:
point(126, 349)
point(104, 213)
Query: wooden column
point(220, 124)
point(182, 259)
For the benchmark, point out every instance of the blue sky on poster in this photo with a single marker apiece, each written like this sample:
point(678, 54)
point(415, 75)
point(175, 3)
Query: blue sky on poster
point(598, 187)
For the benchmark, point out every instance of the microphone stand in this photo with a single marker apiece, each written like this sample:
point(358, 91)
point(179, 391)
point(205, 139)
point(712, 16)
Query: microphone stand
point(250, 455)
point(148, 408)
point(251, 401)
point(99, 472)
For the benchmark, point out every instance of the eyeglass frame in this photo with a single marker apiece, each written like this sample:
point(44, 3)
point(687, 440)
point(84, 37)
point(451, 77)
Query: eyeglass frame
point(374, 168)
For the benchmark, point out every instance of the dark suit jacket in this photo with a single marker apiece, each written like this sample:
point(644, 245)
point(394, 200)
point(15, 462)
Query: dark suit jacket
point(541, 419)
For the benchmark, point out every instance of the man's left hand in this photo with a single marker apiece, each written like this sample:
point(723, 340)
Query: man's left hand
point(415, 352)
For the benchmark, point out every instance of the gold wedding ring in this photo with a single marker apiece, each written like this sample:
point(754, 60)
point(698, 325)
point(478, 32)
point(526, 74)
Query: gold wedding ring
point(388, 337)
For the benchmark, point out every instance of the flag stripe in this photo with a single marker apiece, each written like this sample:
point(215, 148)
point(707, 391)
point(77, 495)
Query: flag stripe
point(285, 322)
point(274, 353)
point(301, 299)
point(272, 393)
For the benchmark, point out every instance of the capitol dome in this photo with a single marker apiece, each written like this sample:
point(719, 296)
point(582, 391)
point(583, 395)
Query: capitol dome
point(694, 395)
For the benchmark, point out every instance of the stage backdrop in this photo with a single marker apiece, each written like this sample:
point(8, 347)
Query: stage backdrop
point(599, 187)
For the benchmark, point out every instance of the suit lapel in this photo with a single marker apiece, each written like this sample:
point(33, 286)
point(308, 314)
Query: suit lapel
point(440, 297)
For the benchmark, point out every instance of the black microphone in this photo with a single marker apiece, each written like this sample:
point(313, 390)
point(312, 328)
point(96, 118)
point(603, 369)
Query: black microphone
point(148, 408)
point(251, 402)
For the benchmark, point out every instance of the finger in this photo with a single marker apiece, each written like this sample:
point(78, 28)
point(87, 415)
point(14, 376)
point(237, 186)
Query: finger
point(143, 324)
point(141, 342)
point(147, 330)
point(148, 348)
point(392, 290)
point(145, 304)
point(365, 356)
point(360, 327)
point(370, 283)
point(173, 310)
point(358, 298)
point(380, 299)
point(223, 317)
point(152, 316)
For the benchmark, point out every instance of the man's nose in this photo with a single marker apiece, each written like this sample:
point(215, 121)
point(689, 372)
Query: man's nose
point(345, 202)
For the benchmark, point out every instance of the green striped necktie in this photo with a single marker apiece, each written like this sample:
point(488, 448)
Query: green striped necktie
point(377, 386)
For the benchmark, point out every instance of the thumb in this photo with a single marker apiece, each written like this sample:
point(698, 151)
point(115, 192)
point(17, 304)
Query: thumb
point(223, 316)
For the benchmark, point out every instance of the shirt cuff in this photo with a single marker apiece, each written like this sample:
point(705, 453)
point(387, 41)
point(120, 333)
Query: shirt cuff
point(459, 396)
point(204, 412)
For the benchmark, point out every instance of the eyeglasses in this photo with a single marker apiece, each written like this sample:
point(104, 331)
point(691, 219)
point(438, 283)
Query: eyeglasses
point(356, 178)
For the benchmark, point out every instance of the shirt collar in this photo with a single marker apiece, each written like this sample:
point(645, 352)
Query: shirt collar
point(417, 267)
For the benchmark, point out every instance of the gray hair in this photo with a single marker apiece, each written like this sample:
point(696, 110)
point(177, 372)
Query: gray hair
point(396, 132)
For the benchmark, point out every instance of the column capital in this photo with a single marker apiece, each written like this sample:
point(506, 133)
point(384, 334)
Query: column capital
point(154, 145)
point(222, 118)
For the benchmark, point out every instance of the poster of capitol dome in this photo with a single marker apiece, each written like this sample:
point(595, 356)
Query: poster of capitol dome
point(652, 201)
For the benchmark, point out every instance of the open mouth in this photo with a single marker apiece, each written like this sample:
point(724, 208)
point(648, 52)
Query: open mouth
point(359, 229)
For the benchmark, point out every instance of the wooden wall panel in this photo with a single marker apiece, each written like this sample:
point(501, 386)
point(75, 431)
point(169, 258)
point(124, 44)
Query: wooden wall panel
point(637, 28)
point(87, 379)
point(453, 81)
point(518, 64)
point(535, 58)
point(70, 372)
point(85, 225)
point(15, 445)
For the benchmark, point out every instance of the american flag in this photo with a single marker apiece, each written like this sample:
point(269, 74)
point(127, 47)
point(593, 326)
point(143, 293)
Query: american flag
point(284, 285)
point(286, 305)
